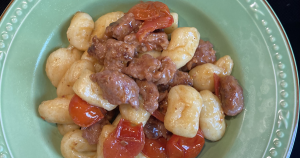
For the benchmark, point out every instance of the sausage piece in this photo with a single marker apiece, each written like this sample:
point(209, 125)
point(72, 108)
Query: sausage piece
point(155, 129)
point(145, 67)
point(181, 78)
point(117, 87)
point(122, 27)
point(231, 95)
point(204, 54)
point(92, 133)
point(168, 69)
point(150, 94)
point(118, 54)
point(98, 49)
point(157, 41)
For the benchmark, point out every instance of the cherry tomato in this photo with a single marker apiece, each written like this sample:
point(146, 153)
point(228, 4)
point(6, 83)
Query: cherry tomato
point(149, 10)
point(217, 84)
point(150, 26)
point(159, 115)
point(125, 141)
point(84, 114)
point(155, 148)
point(182, 147)
point(156, 15)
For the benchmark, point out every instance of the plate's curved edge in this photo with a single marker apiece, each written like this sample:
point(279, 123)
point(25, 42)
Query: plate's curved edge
point(17, 10)
point(296, 81)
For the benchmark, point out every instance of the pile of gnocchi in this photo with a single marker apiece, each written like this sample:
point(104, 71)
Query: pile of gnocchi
point(192, 112)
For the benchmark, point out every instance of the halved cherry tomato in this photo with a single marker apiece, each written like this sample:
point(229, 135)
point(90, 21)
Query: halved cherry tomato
point(83, 113)
point(182, 147)
point(150, 26)
point(125, 141)
point(156, 15)
point(159, 115)
point(155, 148)
point(148, 10)
point(217, 85)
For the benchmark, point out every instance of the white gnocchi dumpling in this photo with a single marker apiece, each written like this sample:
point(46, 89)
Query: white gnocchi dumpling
point(183, 44)
point(174, 25)
point(212, 118)
point(203, 76)
point(80, 30)
point(90, 91)
point(66, 84)
point(133, 115)
point(65, 128)
point(56, 110)
point(104, 21)
point(183, 112)
point(73, 145)
point(226, 64)
point(59, 62)
point(153, 53)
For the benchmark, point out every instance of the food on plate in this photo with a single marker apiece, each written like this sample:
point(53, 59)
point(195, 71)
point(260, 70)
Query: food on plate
point(125, 90)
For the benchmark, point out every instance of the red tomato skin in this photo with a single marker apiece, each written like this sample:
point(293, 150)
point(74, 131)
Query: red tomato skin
point(182, 147)
point(150, 26)
point(125, 141)
point(155, 148)
point(82, 113)
point(149, 10)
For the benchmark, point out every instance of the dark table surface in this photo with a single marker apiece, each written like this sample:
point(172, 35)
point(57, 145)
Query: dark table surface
point(288, 12)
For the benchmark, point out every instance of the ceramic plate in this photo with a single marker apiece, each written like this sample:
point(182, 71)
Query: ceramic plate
point(247, 30)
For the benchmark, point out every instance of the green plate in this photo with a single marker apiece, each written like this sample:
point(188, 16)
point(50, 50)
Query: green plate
point(247, 30)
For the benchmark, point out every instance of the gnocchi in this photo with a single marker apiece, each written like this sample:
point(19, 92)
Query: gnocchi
point(226, 64)
point(59, 62)
point(73, 145)
point(65, 128)
point(66, 84)
point(183, 113)
point(135, 116)
point(203, 76)
point(57, 110)
point(80, 30)
point(212, 118)
point(90, 91)
point(183, 44)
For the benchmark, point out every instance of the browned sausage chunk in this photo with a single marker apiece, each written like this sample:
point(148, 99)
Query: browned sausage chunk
point(155, 129)
point(204, 54)
point(98, 49)
point(181, 78)
point(231, 95)
point(118, 54)
point(122, 27)
point(145, 67)
point(154, 41)
point(117, 88)
point(150, 94)
point(92, 133)
point(168, 69)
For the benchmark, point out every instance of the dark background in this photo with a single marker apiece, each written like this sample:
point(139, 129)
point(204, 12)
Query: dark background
point(288, 12)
